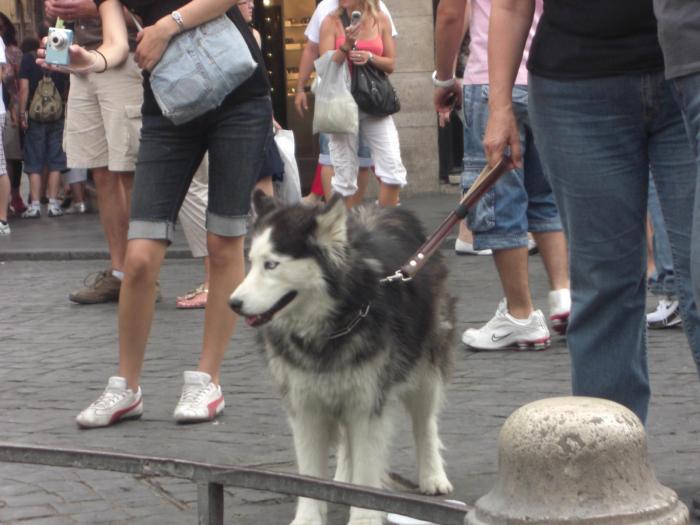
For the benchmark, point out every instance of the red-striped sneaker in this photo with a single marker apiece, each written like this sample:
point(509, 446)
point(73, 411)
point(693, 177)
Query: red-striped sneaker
point(560, 309)
point(505, 332)
point(116, 403)
point(201, 400)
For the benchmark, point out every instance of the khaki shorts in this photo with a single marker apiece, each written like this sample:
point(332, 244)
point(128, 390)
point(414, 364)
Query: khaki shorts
point(103, 118)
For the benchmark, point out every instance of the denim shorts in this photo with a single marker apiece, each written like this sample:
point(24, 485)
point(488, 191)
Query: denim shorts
point(236, 137)
point(522, 200)
point(324, 158)
point(43, 146)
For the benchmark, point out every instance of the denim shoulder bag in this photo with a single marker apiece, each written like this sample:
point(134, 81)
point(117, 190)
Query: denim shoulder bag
point(199, 68)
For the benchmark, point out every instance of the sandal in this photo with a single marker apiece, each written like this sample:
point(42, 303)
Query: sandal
point(196, 298)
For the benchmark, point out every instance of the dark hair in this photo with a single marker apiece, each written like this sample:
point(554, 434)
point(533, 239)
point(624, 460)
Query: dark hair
point(9, 34)
point(29, 44)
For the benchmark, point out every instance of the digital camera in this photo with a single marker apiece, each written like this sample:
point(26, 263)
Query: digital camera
point(57, 44)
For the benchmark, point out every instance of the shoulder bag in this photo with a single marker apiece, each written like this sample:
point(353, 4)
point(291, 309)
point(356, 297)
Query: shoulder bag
point(373, 92)
point(199, 68)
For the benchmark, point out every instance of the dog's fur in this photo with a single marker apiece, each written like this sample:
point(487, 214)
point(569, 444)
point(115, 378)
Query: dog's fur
point(313, 270)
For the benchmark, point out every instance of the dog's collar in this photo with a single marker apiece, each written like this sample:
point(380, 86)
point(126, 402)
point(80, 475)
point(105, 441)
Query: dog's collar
point(352, 324)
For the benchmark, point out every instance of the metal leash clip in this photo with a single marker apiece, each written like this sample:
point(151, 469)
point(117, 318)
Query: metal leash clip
point(396, 276)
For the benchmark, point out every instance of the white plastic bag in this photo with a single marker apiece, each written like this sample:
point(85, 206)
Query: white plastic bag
point(289, 189)
point(335, 110)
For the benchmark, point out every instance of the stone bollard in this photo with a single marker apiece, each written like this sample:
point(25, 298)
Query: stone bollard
point(575, 461)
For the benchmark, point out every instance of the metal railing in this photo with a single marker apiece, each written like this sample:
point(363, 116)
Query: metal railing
point(211, 480)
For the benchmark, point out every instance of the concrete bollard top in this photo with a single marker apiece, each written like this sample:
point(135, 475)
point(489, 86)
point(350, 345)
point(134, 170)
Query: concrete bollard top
point(576, 460)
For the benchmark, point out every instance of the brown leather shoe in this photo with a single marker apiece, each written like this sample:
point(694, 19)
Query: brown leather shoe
point(100, 287)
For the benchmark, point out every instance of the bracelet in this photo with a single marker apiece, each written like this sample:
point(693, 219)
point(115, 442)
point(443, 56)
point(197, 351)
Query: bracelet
point(370, 56)
point(443, 83)
point(103, 58)
point(345, 49)
point(178, 20)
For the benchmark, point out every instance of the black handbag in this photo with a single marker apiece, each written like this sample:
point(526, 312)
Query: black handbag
point(372, 91)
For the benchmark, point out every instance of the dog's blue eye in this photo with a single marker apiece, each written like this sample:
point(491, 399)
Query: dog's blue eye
point(271, 265)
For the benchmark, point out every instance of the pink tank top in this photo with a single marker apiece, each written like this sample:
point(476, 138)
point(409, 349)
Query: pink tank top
point(373, 45)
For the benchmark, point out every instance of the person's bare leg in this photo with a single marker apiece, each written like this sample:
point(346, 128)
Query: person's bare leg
point(465, 234)
point(226, 271)
point(512, 270)
point(77, 190)
point(35, 186)
point(206, 272)
point(265, 185)
point(113, 192)
point(388, 195)
point(362, 182)
point(137, 299)
point(53, 184)
point(553, 250)
point(326, 176)
point(4, 196)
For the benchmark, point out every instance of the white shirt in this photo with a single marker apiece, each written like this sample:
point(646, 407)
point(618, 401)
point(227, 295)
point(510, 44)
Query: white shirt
point(3, 61)
point(325, 8)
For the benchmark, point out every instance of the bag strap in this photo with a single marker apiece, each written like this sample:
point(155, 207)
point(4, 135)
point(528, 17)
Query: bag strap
point(345, 19)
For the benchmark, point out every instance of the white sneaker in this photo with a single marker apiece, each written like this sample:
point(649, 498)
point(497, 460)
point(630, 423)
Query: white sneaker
point(532, 248)
point(666, 315)
point(116, 403)
point(504, 331)
point(54, 210)
point(76, 209)
point(201, 400)
point(467, 248)
point(5, 228)
point(560, 309)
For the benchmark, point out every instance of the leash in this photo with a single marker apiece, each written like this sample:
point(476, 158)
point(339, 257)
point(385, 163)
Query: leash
point(486, 179)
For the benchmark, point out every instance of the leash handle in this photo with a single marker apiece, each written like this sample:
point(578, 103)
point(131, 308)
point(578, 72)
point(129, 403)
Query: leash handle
point(487, 178)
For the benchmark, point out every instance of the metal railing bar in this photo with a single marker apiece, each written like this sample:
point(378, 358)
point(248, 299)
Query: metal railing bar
point(416, 506)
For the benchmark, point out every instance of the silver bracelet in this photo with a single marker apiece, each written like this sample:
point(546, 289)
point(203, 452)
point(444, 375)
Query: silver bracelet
point(178, 20)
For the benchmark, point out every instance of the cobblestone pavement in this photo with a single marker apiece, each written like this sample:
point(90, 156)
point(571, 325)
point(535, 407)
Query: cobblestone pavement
point(56, 358)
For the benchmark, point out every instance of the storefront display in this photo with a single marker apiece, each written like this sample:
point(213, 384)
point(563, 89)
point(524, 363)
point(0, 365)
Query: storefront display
point(281, 24)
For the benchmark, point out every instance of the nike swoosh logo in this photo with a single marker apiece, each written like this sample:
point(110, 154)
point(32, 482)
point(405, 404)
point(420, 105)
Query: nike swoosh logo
point(496, 338)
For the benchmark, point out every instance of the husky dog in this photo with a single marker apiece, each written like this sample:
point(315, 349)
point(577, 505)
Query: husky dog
point(344, 348)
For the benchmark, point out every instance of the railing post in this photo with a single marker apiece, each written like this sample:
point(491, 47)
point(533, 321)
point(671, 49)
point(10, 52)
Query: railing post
point(210, 503)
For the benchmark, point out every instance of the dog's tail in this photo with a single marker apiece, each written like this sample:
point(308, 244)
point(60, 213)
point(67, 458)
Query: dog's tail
point(443, 346)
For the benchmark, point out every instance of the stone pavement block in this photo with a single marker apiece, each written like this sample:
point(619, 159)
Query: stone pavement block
point(9, 514)
point(53, 520)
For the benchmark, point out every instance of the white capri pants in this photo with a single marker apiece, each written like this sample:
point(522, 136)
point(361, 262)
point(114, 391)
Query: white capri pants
point(382, 138)
point(193, 212)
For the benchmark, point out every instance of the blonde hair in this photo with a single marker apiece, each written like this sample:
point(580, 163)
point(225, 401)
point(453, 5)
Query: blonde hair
point(364, 6)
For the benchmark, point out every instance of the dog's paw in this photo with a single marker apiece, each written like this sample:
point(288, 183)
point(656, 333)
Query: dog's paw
point(367, 520)
point(307, 521)
point(435, 484)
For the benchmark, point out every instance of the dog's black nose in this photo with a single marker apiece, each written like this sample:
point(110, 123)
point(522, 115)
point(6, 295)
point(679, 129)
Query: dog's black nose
point(236, 305)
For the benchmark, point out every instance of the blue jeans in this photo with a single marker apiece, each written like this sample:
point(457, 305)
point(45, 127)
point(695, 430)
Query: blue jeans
point(662, 282)
point(324, 156)
point(598, 140)
point(43, 147)
point(522, 200)
point(688, 94)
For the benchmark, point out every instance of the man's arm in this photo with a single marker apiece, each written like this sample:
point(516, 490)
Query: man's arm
point(306, 66)
point(449, 31)
point(23, 96)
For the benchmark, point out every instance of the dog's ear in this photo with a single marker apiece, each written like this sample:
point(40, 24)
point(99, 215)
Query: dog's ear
point(262, 203)
point(331, 227)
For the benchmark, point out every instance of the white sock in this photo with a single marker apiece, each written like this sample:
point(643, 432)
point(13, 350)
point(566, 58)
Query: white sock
point(118, 274)
point(36, 204)
point(53, 202)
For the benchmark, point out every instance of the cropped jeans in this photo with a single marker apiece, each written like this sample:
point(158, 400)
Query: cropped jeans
point(688, 94)
point(598, 139)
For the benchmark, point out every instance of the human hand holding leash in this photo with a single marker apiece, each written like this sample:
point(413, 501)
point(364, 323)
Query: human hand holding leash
point(501, 132)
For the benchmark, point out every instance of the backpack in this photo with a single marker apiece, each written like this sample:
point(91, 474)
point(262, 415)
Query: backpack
point(47, 104)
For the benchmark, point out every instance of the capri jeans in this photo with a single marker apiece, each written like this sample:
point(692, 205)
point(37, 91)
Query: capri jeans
point(598, 139)
point(382, 139)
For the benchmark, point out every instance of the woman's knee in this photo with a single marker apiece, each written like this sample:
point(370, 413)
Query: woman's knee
point(224, 251)
point(143, 260)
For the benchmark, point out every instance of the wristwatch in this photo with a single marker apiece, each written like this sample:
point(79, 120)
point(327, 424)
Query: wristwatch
point(443, 83)
point(178, 20)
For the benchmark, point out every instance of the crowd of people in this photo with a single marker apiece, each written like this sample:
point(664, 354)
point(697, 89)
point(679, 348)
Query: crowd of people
point(602, 145)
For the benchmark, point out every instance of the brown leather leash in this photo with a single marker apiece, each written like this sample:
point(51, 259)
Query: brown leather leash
point(486, 179)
